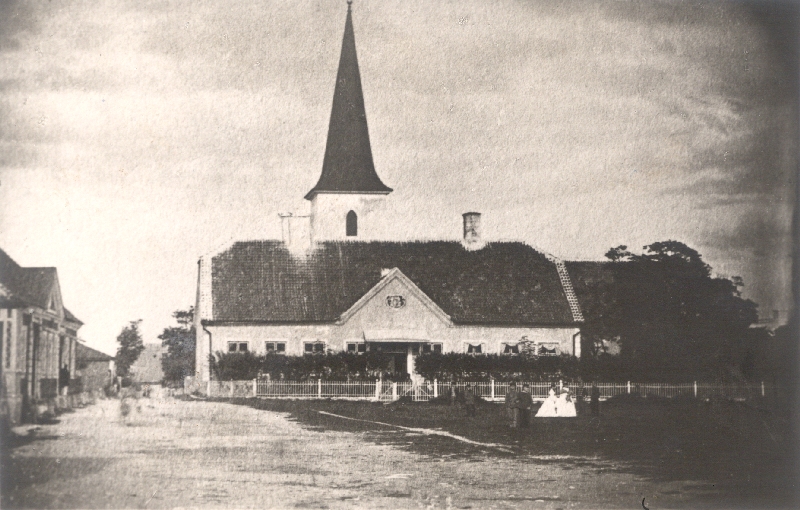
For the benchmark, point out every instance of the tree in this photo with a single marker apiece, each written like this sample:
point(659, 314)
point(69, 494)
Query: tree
point(130, 347)
point(179, 360)
point(672, 318)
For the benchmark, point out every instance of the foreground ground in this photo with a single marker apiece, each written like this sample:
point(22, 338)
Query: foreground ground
point(169, 453)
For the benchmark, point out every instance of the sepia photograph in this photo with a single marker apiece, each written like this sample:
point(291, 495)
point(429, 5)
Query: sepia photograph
point(360, 254)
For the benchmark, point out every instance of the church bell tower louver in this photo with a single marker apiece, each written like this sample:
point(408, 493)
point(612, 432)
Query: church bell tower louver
point(349, 192)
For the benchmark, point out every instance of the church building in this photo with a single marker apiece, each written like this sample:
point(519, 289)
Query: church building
point(331, 285)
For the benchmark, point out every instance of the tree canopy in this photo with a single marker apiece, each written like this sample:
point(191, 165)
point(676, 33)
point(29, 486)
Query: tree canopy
point(130, 347)
point(179, 360)
point(670, 316)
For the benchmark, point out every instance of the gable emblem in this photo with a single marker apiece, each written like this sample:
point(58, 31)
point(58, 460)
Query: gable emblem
point(395, 301)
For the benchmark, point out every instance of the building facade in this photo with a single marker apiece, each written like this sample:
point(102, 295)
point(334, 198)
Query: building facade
point(331, 285)
point(95, 368)
point(38, 338)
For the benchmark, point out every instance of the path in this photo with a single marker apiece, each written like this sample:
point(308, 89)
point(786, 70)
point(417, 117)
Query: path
point(174, 453)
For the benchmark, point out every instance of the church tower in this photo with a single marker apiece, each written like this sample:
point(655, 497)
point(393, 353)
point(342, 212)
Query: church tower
point(349, 192)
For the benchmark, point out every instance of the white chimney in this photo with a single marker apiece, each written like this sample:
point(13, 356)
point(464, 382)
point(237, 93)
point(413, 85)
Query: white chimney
point(473, 238)
point(296, 232)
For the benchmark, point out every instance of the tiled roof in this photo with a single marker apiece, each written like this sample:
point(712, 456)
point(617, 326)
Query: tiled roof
point(30, 284)
point(501, 284)
point(70, 317)
point(147, 367)
point(86, 353)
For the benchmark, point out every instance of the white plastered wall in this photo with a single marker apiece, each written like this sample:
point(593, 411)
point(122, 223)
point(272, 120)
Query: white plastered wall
point(329, 213)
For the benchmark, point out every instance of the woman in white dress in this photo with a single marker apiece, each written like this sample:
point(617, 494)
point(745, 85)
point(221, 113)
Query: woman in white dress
point(566, 404)
point(549, 409)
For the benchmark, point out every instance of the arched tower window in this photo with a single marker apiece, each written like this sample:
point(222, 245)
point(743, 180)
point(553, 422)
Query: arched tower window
point(352, 224)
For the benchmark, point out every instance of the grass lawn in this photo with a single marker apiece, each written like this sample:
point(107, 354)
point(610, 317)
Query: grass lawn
point(747, 451)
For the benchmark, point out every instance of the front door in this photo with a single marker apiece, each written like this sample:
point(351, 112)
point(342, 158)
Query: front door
point(401, 360)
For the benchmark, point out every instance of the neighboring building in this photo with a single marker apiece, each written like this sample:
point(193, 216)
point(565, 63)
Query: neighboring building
point(329, 285)
point(38, 337)
point(95, 368)
point(147, 367)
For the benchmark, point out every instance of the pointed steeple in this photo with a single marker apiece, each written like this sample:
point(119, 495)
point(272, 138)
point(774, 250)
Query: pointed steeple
point(348, 166)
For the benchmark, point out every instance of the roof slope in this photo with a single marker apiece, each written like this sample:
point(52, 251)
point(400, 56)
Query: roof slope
point(147, 367)
point(502, 284)
point(348, 165)
point(86, 353)
point(588, 281)
point(30, 284)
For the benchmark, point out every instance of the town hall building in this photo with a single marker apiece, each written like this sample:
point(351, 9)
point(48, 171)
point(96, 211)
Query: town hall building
point(331, 285)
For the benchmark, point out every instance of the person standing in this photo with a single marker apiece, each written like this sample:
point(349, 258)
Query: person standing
point(595, 399)
point(452, 393)
point(525, 404)
point(512, 404)
point(566, 404)
point(549, 408)
point(469, 400)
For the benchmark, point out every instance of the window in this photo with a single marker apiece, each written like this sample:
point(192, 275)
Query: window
point(351, 227)
point(237, 347)
point(276, 347)
point(357, 347)
point(474, 348)
point(314, 347)
point(426, 348)
point(511, 349)
point(551, 350)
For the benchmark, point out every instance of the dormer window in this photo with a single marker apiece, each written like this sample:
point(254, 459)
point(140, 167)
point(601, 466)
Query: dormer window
point(351, 229)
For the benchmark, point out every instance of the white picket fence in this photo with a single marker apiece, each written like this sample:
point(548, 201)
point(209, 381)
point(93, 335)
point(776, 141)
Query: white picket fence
point(491, 390)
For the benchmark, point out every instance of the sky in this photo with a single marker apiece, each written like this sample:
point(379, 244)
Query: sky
point(136, 136)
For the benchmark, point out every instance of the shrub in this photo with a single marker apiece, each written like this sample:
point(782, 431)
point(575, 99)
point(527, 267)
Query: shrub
point(496, 366)
point(331, 366)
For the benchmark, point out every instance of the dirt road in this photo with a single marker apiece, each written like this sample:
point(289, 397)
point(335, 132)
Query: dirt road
point(169, 453)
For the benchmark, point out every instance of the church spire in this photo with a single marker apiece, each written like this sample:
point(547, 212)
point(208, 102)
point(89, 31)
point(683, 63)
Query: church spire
point(348, 165)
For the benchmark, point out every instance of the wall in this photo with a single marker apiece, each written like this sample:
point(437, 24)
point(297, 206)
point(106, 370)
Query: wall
point(328, 213)
point(11, 364)
point(95, 375)
point(418, 314)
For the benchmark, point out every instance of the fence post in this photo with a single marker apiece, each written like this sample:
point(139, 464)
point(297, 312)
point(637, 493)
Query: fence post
point(492, 390)
point(255, 387)
point(394, 391)
point(319, 387)
point(436, 388)
point(378, 389)
point(629, 387)
point(231, 389)
point(208, 388)
point(695, 389)
point(560, 385)
point(762, 388)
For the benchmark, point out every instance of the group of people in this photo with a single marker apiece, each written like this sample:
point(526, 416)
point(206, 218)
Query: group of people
point(560, 403)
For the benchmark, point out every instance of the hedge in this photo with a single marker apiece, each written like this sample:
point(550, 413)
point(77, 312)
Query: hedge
point(343, 366)
point(340, 366)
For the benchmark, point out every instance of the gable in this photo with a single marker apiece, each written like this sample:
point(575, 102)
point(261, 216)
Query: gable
point(395, 303)
point(54, 303)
